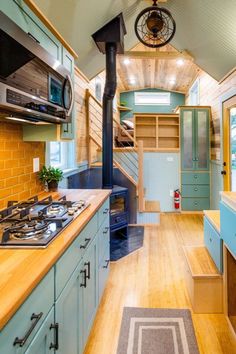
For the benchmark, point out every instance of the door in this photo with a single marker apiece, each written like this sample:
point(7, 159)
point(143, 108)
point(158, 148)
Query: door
point(187, 140)
point(68, 311)
point(201, 139)
point(45, 339)
point(90, 291)
point(229, 145)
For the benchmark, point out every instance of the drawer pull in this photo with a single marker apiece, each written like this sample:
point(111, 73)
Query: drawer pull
point(195, 176)
point(105, 211)
point(106, 230)
point(195, 203)
point(196, 189)
point(87, 240)
point(107, 263)
point(22, 341)
point(56, 333)
point(33, 37)
point(210, 239)
point(84, 284)
point(87, 264)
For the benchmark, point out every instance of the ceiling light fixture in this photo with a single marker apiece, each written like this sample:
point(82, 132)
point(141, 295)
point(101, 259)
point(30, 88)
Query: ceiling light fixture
point(126, 61)
point(172, 81)
point(155, 26)
point(132, 81)
point(180, 62)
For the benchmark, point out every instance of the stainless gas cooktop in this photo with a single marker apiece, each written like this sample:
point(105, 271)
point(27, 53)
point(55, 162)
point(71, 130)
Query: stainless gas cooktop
point(34, 223)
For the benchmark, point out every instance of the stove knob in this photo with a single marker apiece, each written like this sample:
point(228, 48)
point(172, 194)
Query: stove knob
point(82, 202)
point(71, 211)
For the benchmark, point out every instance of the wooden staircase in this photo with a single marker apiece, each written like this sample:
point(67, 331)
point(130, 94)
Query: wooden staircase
point(129, 160)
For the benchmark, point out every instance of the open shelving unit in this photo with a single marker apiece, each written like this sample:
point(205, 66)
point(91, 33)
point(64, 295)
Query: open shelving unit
point(157, 131)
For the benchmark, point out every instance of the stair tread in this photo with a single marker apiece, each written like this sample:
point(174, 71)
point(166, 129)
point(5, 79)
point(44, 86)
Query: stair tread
point(152, 206)
point(200, 262)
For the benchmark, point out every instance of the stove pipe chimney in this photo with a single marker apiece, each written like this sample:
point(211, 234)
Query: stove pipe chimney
point(110, 41)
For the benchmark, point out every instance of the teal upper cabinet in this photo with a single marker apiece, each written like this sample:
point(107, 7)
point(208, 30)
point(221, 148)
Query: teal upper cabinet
point(29, 23)
point(194, 139)
point(195, 154)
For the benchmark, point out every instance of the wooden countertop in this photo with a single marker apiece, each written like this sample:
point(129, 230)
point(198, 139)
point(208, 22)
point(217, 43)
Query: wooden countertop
point(214, 218)
point(22, 269)
point(229, 198)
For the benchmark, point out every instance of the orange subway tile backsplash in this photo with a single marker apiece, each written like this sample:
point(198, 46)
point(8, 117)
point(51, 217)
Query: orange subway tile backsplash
point(17, 180)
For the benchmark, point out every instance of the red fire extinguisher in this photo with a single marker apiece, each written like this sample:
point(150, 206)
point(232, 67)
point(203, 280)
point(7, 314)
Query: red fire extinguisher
point(177, 198)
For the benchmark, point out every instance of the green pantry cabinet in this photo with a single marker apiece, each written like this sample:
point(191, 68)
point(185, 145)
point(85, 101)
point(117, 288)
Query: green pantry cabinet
point(195, 148)
point(29, 22)
point(59, 313)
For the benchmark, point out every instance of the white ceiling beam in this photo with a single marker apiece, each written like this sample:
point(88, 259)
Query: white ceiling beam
point(168, 55)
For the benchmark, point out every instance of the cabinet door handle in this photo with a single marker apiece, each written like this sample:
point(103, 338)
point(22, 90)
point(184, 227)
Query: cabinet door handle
point(195, 203)
point(105, 211)
point(107, 263)
point(84, 284)
point(87, 240)
point(195, 176)
point(66, 130)
point(55, 345)
point(196, 189)
point(21, 341)
point(106, 230)
point(33, 37)
point(210, 239)
point(87, 264)
point(196, 159)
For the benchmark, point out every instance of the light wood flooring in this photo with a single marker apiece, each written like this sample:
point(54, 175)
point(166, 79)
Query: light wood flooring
point(153, 277)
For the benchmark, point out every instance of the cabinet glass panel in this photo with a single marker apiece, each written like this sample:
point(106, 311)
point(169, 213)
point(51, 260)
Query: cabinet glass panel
point(202, 139)
point(187, 140)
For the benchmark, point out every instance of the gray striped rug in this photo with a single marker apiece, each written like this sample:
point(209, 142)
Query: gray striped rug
point(157, 331)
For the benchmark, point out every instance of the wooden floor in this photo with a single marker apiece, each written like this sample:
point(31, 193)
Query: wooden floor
point(153, 277)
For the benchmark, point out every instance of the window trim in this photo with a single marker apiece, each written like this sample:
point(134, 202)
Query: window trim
point(195, 85)
point(150, 93)
point(69, 155)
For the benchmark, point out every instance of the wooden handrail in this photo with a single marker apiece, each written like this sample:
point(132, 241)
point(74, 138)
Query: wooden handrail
point(141, 201)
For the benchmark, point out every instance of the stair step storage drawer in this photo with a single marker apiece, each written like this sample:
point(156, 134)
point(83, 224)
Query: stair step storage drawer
point(214, 244)
point(195, 204)
point(33, 312)
point(70, 259)
point(195, 178)
point(103, 212)
point(195, 190)
point(228, 227)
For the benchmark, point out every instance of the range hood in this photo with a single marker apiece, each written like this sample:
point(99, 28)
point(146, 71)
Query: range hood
point(33, 84)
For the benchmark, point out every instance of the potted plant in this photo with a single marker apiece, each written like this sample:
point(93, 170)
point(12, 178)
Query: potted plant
point(51, 176)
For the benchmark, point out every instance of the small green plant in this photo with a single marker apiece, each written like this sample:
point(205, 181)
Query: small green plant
point(49, 174)
point(123, 103)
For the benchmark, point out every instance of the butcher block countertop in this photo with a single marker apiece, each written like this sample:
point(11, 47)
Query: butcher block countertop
point(22, 269)
point(229, 198)
point(214, 217)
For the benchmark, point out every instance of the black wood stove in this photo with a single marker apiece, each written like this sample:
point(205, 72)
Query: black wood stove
point(119, 217)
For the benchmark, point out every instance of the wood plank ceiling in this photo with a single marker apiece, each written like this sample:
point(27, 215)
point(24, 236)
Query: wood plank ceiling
point(155, 73)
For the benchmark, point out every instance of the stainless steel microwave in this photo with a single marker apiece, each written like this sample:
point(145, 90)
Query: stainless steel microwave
point(33, 84)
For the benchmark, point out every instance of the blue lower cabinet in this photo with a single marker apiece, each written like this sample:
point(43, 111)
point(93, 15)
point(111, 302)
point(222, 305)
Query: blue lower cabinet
point(90, 289)
point(228, 228)
point(214, 244)
point(68, 315)
point(19, 332)
point(196, 191)
point(44, 341)
point(103, 272)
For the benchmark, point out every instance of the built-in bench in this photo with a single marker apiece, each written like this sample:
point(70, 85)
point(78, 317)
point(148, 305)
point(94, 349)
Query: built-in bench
point(203, 280)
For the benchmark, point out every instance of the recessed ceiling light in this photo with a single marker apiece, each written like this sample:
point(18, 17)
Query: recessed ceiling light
point(180, 62)
point(132, 81)
point(172, 81)
point(126, 61)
